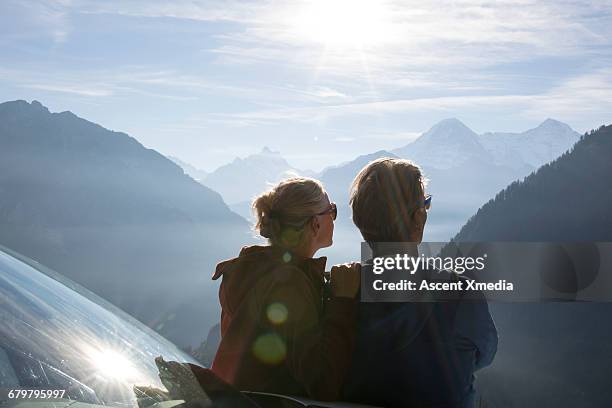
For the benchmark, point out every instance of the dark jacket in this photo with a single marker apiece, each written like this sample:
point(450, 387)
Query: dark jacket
point(421, 354)
point(275, 335)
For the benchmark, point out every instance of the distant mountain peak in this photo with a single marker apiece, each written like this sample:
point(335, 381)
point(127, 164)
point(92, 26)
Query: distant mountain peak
point(450, 122)
point(553, 124)
point(267, 151)
point(447, 144)
point(23, 107)
point(246, 177)
point(449, 132)
point(38, 105)
point(532, 147)
point(447, 127)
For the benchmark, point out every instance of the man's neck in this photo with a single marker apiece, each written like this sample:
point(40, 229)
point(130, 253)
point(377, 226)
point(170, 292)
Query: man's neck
point(392, 248)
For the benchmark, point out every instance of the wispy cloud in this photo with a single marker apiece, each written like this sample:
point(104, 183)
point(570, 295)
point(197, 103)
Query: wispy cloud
point(324, 92)
point(343, 139)
point(322, 113)
point(201, 10)
point(581, 98)
point(128, 80)
point(83, 91)
point(37, 18)
point(589, 92)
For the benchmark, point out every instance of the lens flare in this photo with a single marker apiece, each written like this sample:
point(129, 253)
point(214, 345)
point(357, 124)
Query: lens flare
point(277, 313)
point(270, 349)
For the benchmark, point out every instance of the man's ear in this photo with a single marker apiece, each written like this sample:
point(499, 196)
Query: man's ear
point(420, 218)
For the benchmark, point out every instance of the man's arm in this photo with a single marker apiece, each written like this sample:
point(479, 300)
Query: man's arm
point(474, 326)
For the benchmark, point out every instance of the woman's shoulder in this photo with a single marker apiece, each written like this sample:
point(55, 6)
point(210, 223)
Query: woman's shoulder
point(248, 255)
point(248, 250)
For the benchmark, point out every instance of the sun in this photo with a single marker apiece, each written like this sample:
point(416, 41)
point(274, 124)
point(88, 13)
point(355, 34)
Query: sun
point(111, 364)
point(345, 23)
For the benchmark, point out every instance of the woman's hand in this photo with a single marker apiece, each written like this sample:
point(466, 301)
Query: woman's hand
point(346, 279)
point(180, 383)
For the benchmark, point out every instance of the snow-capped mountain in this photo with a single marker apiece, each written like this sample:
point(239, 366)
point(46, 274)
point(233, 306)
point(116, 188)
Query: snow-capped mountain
point(464, 170)
point(244, 178)
point(448, 144)
point(533, 147)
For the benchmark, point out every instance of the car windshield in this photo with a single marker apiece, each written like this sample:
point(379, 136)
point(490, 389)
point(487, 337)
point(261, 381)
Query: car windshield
point(55, 335)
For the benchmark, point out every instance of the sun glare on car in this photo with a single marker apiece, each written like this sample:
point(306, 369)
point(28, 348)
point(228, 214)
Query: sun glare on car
point(344, 23)
point(111, 364)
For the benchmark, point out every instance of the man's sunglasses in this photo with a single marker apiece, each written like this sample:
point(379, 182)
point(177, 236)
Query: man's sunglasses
point(332, 209)
point(427, 202)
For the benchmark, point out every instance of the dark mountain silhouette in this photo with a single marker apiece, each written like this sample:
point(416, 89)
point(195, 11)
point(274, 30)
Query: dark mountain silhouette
point(118, 218)
point(205, 352)
point(552, 354)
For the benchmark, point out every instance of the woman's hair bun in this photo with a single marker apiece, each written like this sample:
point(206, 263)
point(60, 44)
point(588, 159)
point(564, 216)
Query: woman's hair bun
point(265, 215)
point(269, 226)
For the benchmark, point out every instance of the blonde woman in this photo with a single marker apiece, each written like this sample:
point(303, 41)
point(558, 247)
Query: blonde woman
point(277, 332)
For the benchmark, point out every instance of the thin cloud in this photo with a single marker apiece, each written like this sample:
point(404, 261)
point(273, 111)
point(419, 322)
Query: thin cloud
point(71, 89)
point(199, 10)
point(343, 139)
point(584, 93)
point(310, 114)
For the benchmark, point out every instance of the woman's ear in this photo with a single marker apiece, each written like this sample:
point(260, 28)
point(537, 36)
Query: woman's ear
point(316, 226)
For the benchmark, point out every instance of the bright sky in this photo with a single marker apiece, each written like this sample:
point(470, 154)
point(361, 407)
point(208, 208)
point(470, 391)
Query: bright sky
point(321, 81)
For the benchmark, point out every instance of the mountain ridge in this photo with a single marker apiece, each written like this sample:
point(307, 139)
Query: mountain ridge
point(118, 218)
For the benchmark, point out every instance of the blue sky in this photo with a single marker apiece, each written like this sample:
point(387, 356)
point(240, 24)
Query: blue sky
point(321, 81)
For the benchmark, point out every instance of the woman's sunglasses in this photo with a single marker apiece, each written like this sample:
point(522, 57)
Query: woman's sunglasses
point(333, 210)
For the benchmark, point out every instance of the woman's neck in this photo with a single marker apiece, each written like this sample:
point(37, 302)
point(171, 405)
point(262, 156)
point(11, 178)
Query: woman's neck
point(305, 251)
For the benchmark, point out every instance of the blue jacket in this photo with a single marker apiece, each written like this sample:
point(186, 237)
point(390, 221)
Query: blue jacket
point(420, 354)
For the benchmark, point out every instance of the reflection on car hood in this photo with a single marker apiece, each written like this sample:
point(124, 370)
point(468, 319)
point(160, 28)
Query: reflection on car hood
point(56, 335)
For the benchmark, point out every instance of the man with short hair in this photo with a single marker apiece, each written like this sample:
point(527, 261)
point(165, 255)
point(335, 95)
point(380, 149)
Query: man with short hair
point(412, 354)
